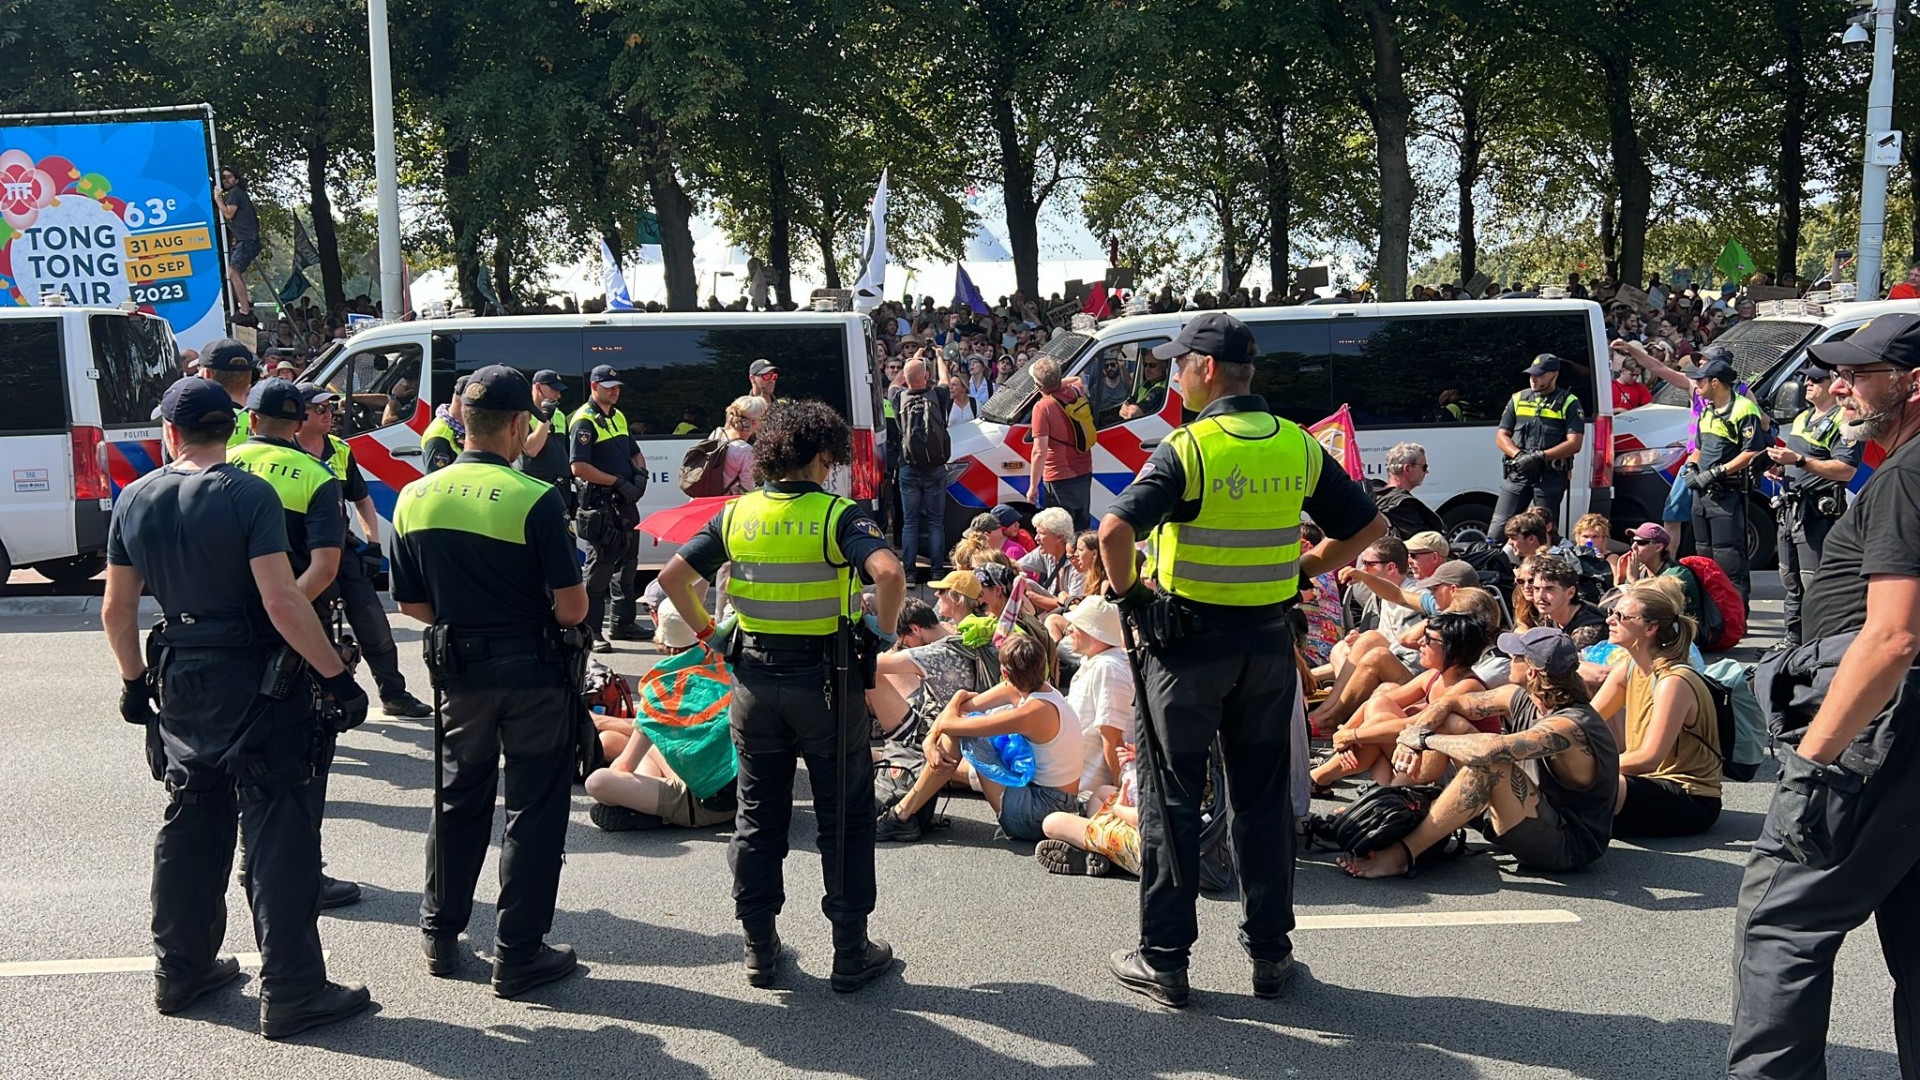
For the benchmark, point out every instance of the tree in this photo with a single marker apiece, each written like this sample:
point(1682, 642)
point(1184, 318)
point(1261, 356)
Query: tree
point(1369, 34)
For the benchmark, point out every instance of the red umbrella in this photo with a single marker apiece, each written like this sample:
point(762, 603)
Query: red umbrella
point(679, 524)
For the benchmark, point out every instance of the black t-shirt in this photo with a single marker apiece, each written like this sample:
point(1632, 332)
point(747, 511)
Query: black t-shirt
point(1587, 626)
point(858, 535)
point(190, 534)
point(550, 464)
point(1880, 534)
point(244, 225)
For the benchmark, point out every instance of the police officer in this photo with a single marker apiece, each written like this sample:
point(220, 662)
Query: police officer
point(441, 441)
point(233, 366)
point(316, 526)
point(482, 555)
point(612, 473)
point(225, 746)
point(1816, 465)
point(1221, 502)
point(360, 561)
point(795, 550)
point(1731, 436)
point(1540, 433)
point(1838, 844)
point(545, 456)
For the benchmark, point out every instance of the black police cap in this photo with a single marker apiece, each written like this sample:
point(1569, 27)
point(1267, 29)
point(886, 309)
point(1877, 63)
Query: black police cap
point(226, 354)
point(498, 387)
point(1885, 339)
point(1544, 364)
point(1217, 334)
point(194, 402)
point(277, 399)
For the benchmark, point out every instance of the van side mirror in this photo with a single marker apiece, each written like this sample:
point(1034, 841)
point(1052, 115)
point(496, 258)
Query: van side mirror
point(1789, 398)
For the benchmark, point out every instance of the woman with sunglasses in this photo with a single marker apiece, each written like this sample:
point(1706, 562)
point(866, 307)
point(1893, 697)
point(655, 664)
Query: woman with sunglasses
point(1649, 557)
point(1453, 640)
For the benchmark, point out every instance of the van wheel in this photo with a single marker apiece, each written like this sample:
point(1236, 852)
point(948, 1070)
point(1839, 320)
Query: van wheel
point(1762, 535)
point(73, 571)
point(1467, 521)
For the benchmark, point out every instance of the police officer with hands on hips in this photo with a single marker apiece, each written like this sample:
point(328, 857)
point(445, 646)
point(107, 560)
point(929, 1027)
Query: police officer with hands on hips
point(795, 551)
point(613, 475)
point(1816, 466)
point(233, 669)
point(545, 455)
point(1732, 435)
point(316, 530)
point(482, 555)
point(1220, 502)
point(360, 561)
point(1839, 841)
point(1540, 434)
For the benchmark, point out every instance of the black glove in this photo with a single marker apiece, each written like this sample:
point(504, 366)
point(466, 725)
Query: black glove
point(1800, 807)
point(346, 704)
point(1136, 598)
point(136, 702)
point(1694, 479)
point(370, 561)
point(1530, 464)
point(627, 492)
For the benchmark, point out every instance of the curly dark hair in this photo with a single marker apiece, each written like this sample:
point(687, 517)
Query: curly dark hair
point(794, 433)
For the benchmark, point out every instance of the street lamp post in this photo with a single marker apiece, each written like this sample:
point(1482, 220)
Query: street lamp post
point(1882, 153)
point(386, 176)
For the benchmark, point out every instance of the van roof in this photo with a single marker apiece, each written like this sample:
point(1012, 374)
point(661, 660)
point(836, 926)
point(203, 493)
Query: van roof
point(612, 318)
point(42, 311)
point(1173, 320)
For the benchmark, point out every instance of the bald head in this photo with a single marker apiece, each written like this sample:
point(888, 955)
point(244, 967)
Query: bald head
point(916, 374)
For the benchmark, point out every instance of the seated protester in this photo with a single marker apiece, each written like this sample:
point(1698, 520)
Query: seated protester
point(1491, 667)
point(672, 636)
point(1542, 790)
point(1450, 644)
point(1102, 692)
point(1670, 767)
point(1649, 556)
point(983, 535)
point(1371, 662)
point(1023, 702)
point(1526, 533)
point(1320, 603)
point(1556, 597)
point(914, 680)
point(1047, 563)
point(1015, 540)
point(1089, 579)
point(1365, 615)
point(1525, 615)
point(1425, 552)
point(1107, 838)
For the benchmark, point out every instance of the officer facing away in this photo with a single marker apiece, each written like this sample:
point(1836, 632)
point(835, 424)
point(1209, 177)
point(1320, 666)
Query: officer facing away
point(316, 529)
point(232, 667)
point(482, 555)
point(1220, 501)
point(1816, 466)
point(440, 443)
point(795, 550)
point(1839, 842)
point(1540, 434)
point(613, 474)
point(360, 561)
point(1732, 435)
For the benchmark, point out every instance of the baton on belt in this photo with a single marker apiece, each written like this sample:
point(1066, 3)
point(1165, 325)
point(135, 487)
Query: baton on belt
point(1157, 758)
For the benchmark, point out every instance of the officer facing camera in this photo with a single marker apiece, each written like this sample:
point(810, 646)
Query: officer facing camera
point(234, 665)
point(1732, 436)
point(1815, 466)
point(482, 555)
point(1540, 434)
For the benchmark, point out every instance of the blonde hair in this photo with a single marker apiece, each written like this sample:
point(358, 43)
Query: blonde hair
point(746, 407)
point(1482, 605)
point(1663, 604)
point(1593, 523)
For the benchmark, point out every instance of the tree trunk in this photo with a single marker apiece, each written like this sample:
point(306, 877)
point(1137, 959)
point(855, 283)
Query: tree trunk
point(779, 209)
point(466, 238)
point(326, 240)
point(1609, 233)
point(1023, 210)
point(674, 212)
point(1791, 177)
point(1630, 172)
point(1391, 110)
point(503, 277)
point(829, 262)
point(1279, 221)
point(1468, 177)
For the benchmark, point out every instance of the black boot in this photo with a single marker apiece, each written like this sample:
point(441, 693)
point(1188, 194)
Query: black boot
point(856, 967)
point(442, 953)
point(551, 963)
point(1270, 977)
point(405, 706)
point(1169, 988)
point(631, 631)
point(762, 956)
point(335, 893)
point(622, 819)
point(170, 996)
point(331, 1003)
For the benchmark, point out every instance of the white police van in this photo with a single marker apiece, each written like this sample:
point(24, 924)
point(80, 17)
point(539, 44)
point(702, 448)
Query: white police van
point(78, 389)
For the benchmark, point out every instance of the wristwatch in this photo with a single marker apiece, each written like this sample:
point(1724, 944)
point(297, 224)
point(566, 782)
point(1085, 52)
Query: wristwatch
point(1421, 742)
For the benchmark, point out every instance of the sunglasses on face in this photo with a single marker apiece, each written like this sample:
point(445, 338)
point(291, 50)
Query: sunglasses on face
point(1639, 542)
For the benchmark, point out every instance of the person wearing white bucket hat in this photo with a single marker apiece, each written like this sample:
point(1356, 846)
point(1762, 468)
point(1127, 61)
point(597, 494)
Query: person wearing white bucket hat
point(1102, 690)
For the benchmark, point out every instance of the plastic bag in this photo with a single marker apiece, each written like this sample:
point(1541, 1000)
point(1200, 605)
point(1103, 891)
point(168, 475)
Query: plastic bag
point(1006, 760)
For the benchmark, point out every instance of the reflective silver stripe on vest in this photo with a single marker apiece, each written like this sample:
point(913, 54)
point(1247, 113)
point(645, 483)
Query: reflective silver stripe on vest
point(786, 610)
point(1239, 538)
point(784, 573)
point(1235, 575)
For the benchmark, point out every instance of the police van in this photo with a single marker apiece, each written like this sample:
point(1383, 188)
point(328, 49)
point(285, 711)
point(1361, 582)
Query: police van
point(1435, 373)
point(78, 388)
point(679, 371)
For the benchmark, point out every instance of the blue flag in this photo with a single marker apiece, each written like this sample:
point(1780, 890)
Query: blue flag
point(616, 282)
point(966, 293)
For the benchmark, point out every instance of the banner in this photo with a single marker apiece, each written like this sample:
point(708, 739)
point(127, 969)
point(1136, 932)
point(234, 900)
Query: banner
point(872, 286)
point(965, 293)
point(1336, 434)
point(111, 213)
point(616, 282)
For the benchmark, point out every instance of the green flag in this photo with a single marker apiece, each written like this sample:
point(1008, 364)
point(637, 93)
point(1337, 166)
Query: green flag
point(646, 230)
point(1734, 262)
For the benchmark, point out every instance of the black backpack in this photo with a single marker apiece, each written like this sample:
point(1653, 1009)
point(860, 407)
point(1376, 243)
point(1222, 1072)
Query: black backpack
point(923, 429)
point(1379, 819)
point(703, 471)
point(1596, 575)
point(1489, 561)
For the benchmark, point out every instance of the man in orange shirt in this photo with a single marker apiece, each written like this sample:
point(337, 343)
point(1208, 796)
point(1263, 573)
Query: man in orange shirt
point(1059, 462)
point(1910, 288)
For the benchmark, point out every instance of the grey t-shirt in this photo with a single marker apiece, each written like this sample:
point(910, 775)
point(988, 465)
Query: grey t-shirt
point(1585, 813)
point(945, 666)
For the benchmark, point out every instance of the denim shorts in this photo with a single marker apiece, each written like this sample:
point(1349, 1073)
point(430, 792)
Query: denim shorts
point(1022, 809)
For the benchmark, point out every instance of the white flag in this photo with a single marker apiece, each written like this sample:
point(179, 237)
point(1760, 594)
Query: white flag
point(872, 286)
point(617, 298)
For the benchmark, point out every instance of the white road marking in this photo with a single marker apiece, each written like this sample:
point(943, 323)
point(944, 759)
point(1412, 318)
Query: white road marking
point(1388, 920)
point(112, 965)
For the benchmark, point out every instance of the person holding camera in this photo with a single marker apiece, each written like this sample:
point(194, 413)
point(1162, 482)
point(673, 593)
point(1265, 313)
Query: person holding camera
point(1815, 468)
point(611, 472)
point(1732, 436)
point(1540, 433)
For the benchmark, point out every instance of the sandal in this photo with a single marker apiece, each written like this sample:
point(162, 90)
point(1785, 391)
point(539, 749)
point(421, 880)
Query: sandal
point(1413, 865)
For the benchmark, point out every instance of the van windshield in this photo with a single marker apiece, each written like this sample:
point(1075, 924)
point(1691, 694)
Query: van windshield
point(1757, 346)
point(136, 359)
point(1013, 402)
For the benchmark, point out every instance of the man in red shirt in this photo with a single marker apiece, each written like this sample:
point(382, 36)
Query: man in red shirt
point(1910, 288)
point(1059, 463)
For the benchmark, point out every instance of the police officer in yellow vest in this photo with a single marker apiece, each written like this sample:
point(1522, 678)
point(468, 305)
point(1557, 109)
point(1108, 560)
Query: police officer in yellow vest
point(316, 528)
point(795, 551)
point(1732, 435)
point(482, 555)
point(1540, 434)
point(231, 364)
point(545, 455)
point(612, 475)
point(446, 433)
point(1815, 466)
point(1221, 501)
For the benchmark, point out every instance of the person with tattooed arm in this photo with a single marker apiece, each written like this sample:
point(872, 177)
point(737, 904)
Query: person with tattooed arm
point(1542, 790)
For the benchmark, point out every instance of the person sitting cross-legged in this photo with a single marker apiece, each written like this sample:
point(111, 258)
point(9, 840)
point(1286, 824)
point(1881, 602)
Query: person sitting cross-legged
point(1108, 838)
point(1449, 646)
point(1541, 790)
point(1375, 659)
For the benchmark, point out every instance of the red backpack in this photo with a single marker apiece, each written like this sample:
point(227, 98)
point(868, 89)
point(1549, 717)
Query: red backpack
point(1723, 601)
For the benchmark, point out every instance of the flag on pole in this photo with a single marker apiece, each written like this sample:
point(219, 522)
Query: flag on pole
point(966, 294)
point(617, 298)
point(872, 286)
point(304, 253)
point(1734, 262)
point(295, 288)
point(1097, 304)
point(1336, 434)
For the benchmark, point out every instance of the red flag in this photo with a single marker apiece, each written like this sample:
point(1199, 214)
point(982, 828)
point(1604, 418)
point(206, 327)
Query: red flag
point(1096, 304)
point(1336, 434)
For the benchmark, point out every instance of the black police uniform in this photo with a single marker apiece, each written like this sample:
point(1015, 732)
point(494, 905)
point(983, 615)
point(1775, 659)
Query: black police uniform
point(1233, 676)
point(487, 547)
point(1536, 423)
point(359, 599)
point(550, 464)
point(1810, 505)
point(783, 709)
point(1720, 505)
point(607, 518)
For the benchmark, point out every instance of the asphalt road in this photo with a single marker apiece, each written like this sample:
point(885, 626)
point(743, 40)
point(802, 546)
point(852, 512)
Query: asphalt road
point(1003, 969)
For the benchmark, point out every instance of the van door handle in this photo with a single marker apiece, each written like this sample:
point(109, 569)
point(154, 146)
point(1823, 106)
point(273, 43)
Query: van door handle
point(1149, 444)
point(404, 451)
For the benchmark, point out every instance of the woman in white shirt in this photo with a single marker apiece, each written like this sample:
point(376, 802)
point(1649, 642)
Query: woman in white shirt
point(964, 407)
point(1102, 691)
point(743, 419)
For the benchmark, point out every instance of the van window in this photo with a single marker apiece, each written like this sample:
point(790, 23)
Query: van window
point(673, 376)
point(33, 395)
point(137, 361)
point(1013, 402)
point(1291, 370)
point(1757, 345)
point(1394, 371)
point(381, 385)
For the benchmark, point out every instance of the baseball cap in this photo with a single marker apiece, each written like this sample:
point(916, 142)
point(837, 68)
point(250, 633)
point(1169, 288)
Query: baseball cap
point(549, 378)
point(500, 388)
point(670, 629)
point(1711, 353)
point(277, 399)
point(763, 366)
point(1456, 572)
point(1006, 515)
point(1430, 542)
point(964, 582)
point(604, 375)
point(1545, 647)
point(1216, 334)
point(1816, 373)
point(460, 385)
point(1887, 339)
point(226, 354)
point(315, 394)
point(1653, 531)
point(1098, 618)
point(193, 402)
point(983, 523)
point(1543, 364)
point(1716, 368)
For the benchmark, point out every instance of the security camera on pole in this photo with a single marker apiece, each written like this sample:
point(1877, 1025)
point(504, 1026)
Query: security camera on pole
point(1883, 143)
